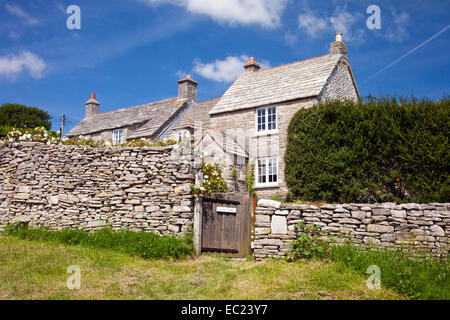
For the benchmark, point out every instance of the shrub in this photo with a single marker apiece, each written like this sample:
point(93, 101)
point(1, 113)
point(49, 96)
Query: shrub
point(146, 245)
point(40, 134)
point(377, 150)
point(309, 243)
point(213, 181)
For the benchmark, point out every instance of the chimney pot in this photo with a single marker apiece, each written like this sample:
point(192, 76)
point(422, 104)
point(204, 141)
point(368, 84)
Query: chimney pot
point(252, 65)
point(91, 107)
point(338, 47)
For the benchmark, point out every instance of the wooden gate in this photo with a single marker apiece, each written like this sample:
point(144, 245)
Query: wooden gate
point(226, 225)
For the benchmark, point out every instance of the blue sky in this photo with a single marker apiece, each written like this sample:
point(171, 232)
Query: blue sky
point(131, 52)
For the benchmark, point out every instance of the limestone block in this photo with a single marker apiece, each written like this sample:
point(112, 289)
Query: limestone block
point(437, 231)
point(262, 231)
point(398, 213)
point(279, 225)
point(269, 203)
point(262, 219)
point(53, 200)
point(380, 228)
point(360, 215)
point(23, 189)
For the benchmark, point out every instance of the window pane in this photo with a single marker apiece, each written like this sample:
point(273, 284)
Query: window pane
point(273, 170)
point(261, 119)
point(262, 171)
point(272, 118)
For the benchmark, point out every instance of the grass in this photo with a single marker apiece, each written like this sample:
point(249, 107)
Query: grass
point(146, 245)
point(32, 269)
point(417, 278)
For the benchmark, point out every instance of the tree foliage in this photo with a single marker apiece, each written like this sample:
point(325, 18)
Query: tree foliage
point(23, 117)
point(376, 150)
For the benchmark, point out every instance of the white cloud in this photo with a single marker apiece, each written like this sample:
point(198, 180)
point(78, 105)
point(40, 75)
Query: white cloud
point(16, 10)
point(266, 13)
point(344, 21)
point(397, 30)
point(226, 70)
point(340, 21)
point(312, 25)
point(13, 65)
point(290, 38)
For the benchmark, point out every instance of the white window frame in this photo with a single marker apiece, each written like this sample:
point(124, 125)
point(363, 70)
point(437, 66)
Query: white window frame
point(118, 136)
point(267, 175)
point(266, 120)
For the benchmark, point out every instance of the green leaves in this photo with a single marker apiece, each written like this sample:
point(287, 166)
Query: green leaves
point(309, 243)
point(342, 151)
point(213, 181)
point(22, 117)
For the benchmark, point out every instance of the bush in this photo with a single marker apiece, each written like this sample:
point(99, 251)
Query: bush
point(377, 150)
point(309, 243)
point(213, 181)
point(143, 244)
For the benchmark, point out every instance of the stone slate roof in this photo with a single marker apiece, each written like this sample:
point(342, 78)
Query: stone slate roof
point(154, 117)
point(198, 112)
point(293, 81)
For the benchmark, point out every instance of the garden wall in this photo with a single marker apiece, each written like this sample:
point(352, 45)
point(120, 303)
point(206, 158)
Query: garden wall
point(422, 227)
point(58, 187)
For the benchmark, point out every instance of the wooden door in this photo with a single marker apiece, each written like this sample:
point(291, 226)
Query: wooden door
point(226, 225)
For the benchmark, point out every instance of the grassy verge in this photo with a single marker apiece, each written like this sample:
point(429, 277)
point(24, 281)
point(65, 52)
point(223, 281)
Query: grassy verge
point(38, 270)
point(143, 244)
point(417, 278)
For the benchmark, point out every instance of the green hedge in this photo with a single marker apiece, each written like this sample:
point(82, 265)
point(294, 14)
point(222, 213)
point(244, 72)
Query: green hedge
point(146, 245)
point(376, 150)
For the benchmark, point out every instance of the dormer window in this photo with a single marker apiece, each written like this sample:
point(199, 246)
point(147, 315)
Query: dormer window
point(183, 135)
point(118, 137)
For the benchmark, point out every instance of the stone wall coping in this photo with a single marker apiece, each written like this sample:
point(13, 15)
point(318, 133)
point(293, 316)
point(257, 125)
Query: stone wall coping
point(32, 144)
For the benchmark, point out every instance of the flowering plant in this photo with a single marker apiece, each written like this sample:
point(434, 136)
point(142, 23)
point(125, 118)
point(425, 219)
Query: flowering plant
point(39, 134)
point(213, 181)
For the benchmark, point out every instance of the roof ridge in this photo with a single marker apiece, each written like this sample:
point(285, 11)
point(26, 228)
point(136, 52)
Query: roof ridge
point(138, 106)
point(208, 100)
point(291, 63)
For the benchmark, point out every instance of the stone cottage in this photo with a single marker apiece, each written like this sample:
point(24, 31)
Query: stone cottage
point(247, 126)
point(172, 118)
point(258, 107)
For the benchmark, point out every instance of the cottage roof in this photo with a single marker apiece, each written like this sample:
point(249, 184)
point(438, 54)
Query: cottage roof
point(198, 112)
point(153, 117)
point(293, 81)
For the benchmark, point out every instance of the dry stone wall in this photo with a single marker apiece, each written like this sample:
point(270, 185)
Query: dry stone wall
point(60, 187)
point(413, 226)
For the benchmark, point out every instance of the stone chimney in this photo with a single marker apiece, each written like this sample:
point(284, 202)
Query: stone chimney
point(92, 107)
point(338, 47)
point(252, 65)
point(187, 89)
